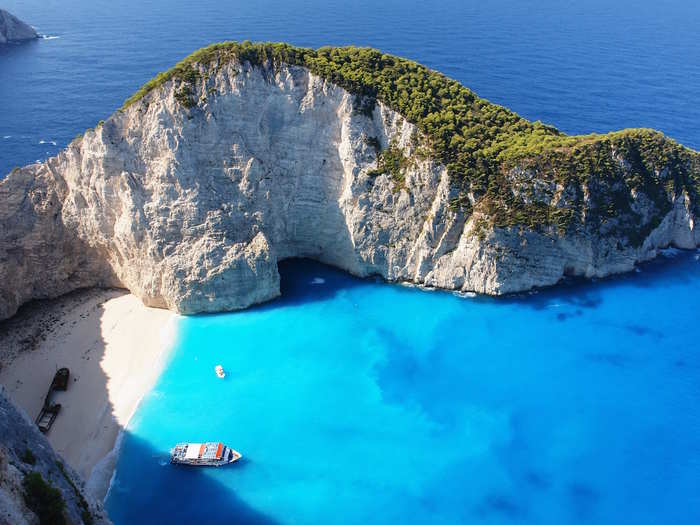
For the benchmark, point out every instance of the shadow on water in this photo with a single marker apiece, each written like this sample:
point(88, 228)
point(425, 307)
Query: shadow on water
point(298, 286)
point(303, 281)
point(76, 322)
point(17, 50)
point(194, 496)
point(212, 501)
point(583, 293)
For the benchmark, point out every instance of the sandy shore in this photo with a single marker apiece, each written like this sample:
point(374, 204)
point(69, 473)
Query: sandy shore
point(114, 347)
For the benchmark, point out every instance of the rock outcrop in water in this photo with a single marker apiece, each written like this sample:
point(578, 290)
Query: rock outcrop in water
point(25, 454)
point(191, 194)
point(12, 29)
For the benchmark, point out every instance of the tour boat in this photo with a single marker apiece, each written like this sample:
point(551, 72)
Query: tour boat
point(220, 371)
point(203, 454)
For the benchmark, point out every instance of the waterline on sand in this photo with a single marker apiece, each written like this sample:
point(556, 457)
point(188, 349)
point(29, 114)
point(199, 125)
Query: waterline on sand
point(115, 348)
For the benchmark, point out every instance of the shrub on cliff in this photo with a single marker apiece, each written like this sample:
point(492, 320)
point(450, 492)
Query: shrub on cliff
point(44, 500)
point(28, 457)
point(493, 155)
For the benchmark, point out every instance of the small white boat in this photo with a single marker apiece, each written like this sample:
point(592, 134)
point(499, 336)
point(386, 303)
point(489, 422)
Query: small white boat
point(203, 454)
point(220, 371)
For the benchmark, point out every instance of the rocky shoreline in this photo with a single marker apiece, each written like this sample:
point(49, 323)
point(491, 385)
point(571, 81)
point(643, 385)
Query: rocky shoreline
point(12, 29)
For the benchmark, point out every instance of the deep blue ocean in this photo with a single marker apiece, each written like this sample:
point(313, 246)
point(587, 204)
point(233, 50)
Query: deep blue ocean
point(355, 401)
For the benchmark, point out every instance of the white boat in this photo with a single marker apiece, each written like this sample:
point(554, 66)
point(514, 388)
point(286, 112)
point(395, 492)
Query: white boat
point(203, 454)
point(220, 371)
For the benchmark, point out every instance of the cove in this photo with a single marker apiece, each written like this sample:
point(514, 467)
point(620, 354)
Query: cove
point(355, 401)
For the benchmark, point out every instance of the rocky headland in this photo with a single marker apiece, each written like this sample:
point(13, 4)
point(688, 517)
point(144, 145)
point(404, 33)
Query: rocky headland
point(12, 29)
point(246, 154)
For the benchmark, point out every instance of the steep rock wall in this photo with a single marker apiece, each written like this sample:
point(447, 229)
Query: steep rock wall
point(13, 29)
point(190, 205)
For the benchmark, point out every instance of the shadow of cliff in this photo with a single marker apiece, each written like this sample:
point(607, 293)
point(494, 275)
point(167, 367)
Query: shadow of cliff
point(67, 331)
point(583, 294)
point(304, 281)
point(18, 49)
point(579, 293)
point(147, 489)
point(299, 286)
point(145, 480)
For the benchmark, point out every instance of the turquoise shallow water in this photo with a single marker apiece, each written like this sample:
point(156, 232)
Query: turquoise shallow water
point(360, 402)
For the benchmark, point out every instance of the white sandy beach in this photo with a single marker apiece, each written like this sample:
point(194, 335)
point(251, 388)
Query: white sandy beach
point(114, 347)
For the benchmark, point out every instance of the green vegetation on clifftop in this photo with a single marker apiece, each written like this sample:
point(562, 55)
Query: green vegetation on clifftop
point(513, 171)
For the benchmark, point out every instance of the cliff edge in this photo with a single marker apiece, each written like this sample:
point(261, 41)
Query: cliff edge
point(246, 154)
point(12, 29)
point(35, 485)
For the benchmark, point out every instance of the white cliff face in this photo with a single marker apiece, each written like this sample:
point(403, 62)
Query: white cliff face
point(13, 29)
point(191, 209)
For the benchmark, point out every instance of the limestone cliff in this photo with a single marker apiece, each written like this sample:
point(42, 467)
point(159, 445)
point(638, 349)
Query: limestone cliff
point(12, 29)
point(191, 194)
point(25, 452)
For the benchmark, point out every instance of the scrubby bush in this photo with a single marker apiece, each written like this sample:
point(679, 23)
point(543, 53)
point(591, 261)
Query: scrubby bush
point(28, 457)
point(393, 162)
point(82, 502)
point(44, 500)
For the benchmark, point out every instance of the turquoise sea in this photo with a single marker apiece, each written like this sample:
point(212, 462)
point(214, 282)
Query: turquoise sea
point(354, 401)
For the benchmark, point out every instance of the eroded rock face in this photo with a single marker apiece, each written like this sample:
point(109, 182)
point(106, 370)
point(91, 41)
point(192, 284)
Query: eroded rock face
point(191, 208)
point(24, 450)
point(12, 29)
